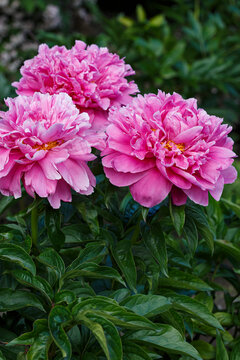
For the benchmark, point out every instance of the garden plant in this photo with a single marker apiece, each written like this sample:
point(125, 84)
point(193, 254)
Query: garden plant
point(120, 208)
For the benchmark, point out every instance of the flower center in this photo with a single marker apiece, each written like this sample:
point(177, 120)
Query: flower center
point(48, 146)
point(169, 144)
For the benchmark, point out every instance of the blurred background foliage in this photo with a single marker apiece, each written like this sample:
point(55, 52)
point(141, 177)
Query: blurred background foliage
point(191, 47)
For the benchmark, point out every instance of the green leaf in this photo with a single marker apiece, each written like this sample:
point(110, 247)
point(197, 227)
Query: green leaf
point(234, 207)
point(207, 351)
point(52, 259)
point(94, 252)
point(105, 333)
point(123, 256)
point(6, 200)
point(2, 357)
point(108, 308)
point(155, 242)
point(178, 217)
point(39, 339)
point(224, 318)
point(229, 249)
point(165, 338)
point(221, 352)
point(36, 282)
point(147, 305)
point(65, 296)
point(18, 255)
point(17, 299)
point(53, 225)
point(196, 213)
point(58, 318)
point(195, 308)
point(133, 351)
point(141, 14)
point(90, 216)
point(182, 280)
point(235, 355)
point(157, 20)
point(191, 234)
point(91, 270)
point(172, 317)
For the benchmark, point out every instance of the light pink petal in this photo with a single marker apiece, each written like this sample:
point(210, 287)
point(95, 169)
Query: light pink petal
point(229, 175)
point(217, 191)
point(63, 192)
point(197, 195)
point(74, 174)
point(188, 135)
point(178, 196)
point(152, 189)
point(122, 179)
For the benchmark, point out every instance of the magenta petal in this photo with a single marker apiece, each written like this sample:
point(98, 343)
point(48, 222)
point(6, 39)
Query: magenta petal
point(229, 175)
point(152, 189)
point(122, 179)
point(178, 196)
point(188, 135)
point(197, 195)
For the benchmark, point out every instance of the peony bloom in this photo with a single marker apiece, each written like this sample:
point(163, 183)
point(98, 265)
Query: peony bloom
point(93, 77)
point(162, 143)
point(44, 143)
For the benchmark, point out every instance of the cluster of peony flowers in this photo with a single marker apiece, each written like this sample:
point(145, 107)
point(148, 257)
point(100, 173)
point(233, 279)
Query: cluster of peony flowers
point(72, 100)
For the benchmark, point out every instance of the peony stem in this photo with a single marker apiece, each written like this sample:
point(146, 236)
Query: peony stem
point(34, 225)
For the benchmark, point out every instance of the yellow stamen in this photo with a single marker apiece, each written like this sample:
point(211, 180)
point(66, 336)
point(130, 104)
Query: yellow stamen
point(48, 146)
point(169, 144)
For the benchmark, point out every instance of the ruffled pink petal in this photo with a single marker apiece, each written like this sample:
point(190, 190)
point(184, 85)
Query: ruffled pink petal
point(151, 189)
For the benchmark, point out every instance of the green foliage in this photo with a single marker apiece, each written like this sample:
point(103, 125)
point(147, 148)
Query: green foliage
point(143, 287)
point(107, 279)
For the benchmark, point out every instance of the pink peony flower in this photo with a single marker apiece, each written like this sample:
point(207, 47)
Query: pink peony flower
point(93, 77)
point(162, 143)
point(44, 143)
